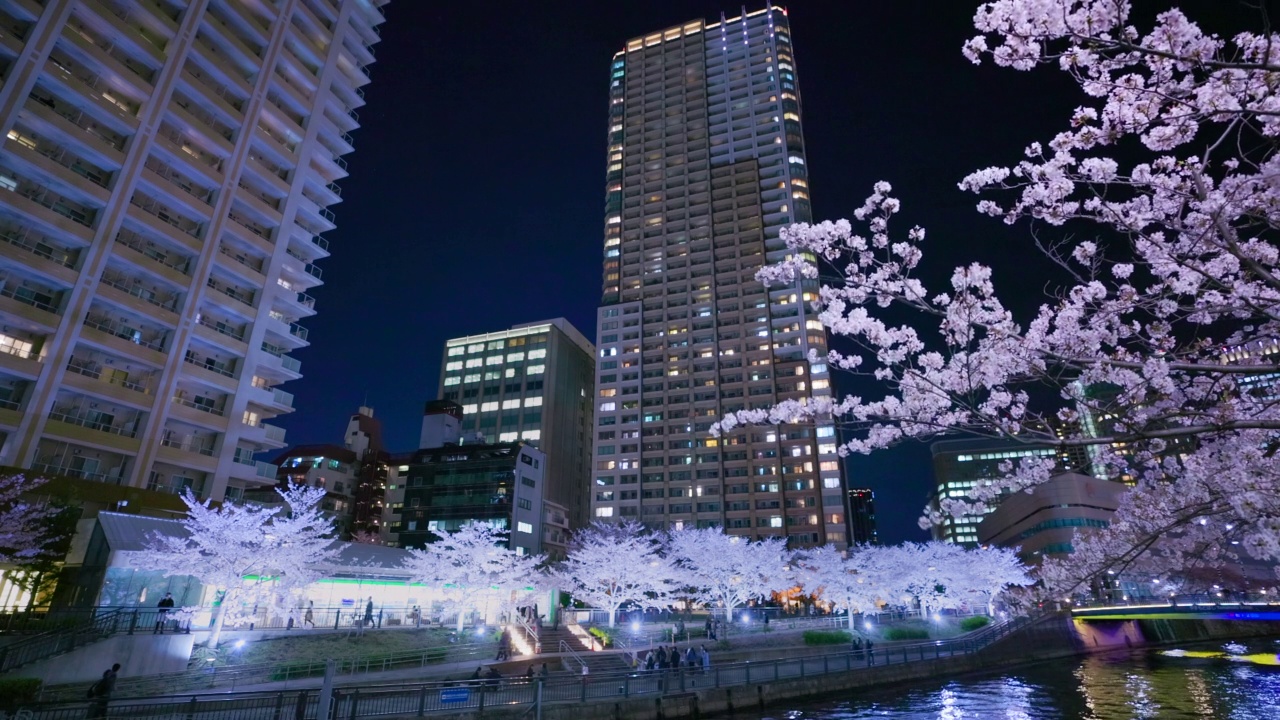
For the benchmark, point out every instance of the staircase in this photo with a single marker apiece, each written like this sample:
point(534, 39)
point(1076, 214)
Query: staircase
point(56, 642)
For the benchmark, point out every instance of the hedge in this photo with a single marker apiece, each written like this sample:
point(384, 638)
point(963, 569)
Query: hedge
point(973, 623)
point(827, 637)
point(906, 634)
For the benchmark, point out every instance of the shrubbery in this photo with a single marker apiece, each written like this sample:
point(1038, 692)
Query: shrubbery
point(604, 636)
point(906, 634)
point(17, 691)
point(970, 624)
point(827, 637)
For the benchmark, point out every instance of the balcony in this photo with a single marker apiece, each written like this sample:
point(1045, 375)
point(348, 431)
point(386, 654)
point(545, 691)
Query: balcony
point(20, 361)
point(123, 340)
point(36, 308)
point(72, 471)
point(30, 249)
point(132, 392)
point(83, 427)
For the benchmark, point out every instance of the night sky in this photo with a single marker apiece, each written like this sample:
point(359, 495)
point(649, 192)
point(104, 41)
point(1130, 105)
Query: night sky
point(477, 187)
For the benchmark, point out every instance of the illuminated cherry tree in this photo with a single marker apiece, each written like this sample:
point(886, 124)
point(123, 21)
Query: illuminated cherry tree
point(252, 555)
point(728, 569)
point(853, 583)
point(1159, 334)
point(25, 524)
point(611, 565)
point(472, 568)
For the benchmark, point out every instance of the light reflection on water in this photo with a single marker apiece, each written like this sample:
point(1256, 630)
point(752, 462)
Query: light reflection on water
point(1140, 685)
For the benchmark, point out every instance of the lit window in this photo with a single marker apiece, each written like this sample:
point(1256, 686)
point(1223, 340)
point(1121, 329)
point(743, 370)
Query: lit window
point(493, 360)
point(488, 407)
point(536, 370)
point(471, 349)
point(531, 435)
point(515, 357)
point(452, 380)
point(455, 365)
point(775, 521)
point(524, 527)
point(509, 373)
point(509, 404)
point(533, 401)
point(474, 362)
point(457, 350)
point(608, 407)
point(826, 431)
point(830, 482)
point(604, 512)
point(470, 408)
point(508, 437)
point(472, 378)
point(537, 354)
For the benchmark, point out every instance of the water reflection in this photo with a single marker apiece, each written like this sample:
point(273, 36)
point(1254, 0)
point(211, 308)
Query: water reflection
point(1138, 685)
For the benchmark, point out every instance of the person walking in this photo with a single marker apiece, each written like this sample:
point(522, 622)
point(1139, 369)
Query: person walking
point(543, 672)
point(368, 613)
point(706, 660)
point(100, 692)
point(162, 615)
point(309, 618)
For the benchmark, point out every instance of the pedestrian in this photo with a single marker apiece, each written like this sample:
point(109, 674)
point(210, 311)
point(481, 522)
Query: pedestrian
point(479, 672)
point(529, 673)
point(706, 628)
point(504, 646)
point(690, 657)
point(870, 651)
point(543, 672)
point(162, 615)
point(368, 612)
point(100, 692)
point(649, 661)
point(706, 660)
point(309, 618)
point(766, 619)
point(585, 672)
point(662, 658)
point(417, 616)
point(675, 659)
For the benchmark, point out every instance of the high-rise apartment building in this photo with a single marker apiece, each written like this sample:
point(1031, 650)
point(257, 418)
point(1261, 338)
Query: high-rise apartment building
point(164, 185)
point(706, 165)
point(534, 384)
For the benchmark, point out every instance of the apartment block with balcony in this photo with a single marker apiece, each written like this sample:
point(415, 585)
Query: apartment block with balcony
point(166, 177)
point(706, 164)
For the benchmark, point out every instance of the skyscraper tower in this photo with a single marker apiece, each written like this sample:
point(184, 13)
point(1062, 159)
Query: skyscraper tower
point(706, 165)
point(167, 166)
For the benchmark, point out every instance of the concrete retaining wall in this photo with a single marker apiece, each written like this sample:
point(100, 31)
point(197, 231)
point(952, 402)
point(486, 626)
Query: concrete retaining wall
point(144, 654)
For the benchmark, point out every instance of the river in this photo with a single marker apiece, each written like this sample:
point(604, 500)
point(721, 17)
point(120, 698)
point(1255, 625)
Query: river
point(1145, 684)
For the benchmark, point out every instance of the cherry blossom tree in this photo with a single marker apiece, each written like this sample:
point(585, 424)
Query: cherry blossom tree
point(854, 583)
point(473, 569)
point(729, 569)
point(25, 524)
point(246, 552)
point(989, 571)
point(1167, 293)
point(610, 565)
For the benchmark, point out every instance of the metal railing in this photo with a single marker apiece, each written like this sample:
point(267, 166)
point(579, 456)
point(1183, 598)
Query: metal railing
point(420, 699)
point(80, 627)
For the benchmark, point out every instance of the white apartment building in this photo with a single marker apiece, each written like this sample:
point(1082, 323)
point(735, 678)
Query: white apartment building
point(165, 179)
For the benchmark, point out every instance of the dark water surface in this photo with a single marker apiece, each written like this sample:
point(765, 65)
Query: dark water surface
point(1146, 684)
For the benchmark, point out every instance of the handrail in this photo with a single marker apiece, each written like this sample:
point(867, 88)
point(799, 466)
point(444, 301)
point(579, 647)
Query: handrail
point(566, 650)
point(369, 700)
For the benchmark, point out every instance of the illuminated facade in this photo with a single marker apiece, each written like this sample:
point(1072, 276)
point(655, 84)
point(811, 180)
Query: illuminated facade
point(168, 167)
point(533, 384)
point(706, 165)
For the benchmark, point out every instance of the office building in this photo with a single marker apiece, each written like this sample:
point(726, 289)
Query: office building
point(500, 484)
point(1045, 520)
point(862, 517)
point(961, 465)
point(706, 164)
point(534, 384)
point(169, 168)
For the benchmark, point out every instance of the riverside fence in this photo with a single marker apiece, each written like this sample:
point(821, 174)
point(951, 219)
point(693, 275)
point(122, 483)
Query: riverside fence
point(423, 699)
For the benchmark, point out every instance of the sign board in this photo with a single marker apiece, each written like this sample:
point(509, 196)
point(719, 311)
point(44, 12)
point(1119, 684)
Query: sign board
point(455, 695)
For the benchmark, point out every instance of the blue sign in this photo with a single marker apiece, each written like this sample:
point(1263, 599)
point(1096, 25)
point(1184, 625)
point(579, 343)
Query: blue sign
point(455, 696)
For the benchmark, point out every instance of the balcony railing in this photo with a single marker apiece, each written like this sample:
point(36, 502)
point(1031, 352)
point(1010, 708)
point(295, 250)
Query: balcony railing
point(199, 406)
point(266, 469)
point(90, 422)
point(73, 472)
point(136, 243)
point(244, 456)
point(124, 332)
point(135, 289)
point(12, 292)
point(93, 370)
point(273, 433)
point(190, 445)
point(306, 300)
point(281, 397)
point(297, 331)
point(20, 238)
point(222, 328)
point(209, 364)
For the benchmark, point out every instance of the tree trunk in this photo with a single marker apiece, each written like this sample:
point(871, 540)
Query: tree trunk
point(851, 626)
point(613, 614)
point(215, 634)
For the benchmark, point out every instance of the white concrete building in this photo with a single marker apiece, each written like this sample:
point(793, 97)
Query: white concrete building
point(169, 166)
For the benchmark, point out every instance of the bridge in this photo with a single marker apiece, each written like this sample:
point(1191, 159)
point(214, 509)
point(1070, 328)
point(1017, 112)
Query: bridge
point(1244, 610)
